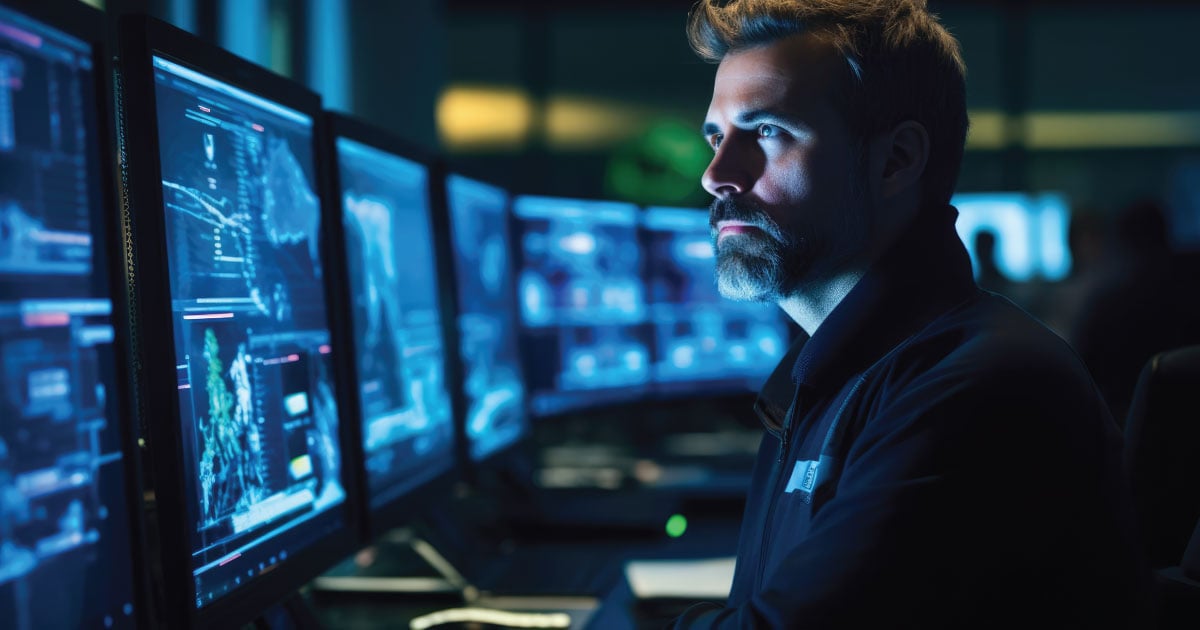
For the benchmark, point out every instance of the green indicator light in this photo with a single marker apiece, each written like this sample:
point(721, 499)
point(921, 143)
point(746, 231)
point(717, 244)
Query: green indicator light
point(676, 525)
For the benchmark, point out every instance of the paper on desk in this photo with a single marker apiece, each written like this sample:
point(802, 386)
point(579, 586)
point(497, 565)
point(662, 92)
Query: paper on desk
point(706, 578)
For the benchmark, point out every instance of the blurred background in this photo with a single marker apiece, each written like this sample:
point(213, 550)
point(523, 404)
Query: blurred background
point(1083, 153)
point(604, 98)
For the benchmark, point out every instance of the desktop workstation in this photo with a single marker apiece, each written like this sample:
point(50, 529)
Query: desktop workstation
point(264, 363)
point(278, 359)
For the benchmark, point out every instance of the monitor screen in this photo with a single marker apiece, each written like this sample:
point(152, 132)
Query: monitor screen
point(702, 341)
point(1026, 232)
point(492, 381)
point(256, 393)
point(66, 557)
point(583, 312)
point(407, 420)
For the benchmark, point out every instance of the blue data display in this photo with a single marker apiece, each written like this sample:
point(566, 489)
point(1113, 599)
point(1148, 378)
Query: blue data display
point(1030, 232)
point(702, 339)
point(492, 380)
point(65, 546)
point(256, 390)
point(582, 302)
point(407, 421)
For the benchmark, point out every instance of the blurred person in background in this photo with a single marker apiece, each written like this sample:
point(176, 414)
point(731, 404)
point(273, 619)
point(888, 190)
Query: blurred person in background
point(1060, 303)
point(989, 277)
point(1144, 302)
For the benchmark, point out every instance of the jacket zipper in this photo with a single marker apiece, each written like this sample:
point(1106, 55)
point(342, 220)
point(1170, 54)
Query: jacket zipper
point(785, 434)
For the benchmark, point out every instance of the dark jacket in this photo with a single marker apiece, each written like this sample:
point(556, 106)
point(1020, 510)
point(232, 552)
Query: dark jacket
point(934, 458)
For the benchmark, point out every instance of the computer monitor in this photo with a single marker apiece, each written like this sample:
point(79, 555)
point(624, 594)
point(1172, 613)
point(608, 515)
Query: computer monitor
point(1029, 231)
point(69, 497)
point(583, 313)
point(234, 353)
point(703, 343)
point(403, 401)
point(493, 384)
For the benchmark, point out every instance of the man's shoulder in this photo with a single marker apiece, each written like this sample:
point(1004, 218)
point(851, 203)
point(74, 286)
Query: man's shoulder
point(981, 378)
point(989, 343)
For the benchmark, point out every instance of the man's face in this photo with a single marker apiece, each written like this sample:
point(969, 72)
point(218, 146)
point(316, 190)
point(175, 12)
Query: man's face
point(790, 199)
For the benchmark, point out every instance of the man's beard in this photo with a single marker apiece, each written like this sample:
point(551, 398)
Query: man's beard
point(751, 267)
point(780, 261)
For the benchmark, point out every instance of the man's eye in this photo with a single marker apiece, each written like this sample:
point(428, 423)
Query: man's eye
point(767, 131)
point(715, 139)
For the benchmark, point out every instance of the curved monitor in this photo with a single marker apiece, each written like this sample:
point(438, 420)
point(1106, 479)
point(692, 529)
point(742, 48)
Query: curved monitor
point(582, 304)
point(492, 382)
point(67, 553)
point(232, 303)
point(404, 405)
point(703, 343)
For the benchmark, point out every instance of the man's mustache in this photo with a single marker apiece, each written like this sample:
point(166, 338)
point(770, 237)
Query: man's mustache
point(733, 209)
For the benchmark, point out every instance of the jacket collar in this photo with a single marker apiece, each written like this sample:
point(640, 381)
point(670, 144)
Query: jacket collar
point(925, 273)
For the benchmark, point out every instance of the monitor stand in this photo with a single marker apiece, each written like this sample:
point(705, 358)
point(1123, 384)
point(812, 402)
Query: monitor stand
point(409, 576)
point(475, 607)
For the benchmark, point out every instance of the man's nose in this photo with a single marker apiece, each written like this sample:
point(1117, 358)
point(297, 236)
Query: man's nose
point(728, 173)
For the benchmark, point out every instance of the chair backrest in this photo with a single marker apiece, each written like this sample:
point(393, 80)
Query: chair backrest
point(1162, 452)
point(1190, 564)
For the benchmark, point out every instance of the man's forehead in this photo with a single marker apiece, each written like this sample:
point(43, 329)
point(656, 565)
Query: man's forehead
point(791, 71)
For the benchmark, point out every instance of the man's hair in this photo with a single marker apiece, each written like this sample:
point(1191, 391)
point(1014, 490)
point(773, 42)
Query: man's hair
point(902, 64)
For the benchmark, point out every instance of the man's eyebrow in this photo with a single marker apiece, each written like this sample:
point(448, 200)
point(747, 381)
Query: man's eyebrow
point(755, 116)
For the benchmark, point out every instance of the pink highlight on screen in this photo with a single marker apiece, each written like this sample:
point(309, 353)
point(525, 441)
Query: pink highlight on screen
point(16, 34)
point(46, 320)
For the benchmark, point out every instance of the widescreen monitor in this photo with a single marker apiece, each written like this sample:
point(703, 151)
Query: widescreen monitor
point(703, 342)
point(234, 321)
point(585, 338)
point(67, 549)
point(492, 382)
point(404, 405)
point(1029, 232)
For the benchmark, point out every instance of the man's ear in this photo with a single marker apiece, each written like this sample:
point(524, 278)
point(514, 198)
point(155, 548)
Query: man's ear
point(906, 151)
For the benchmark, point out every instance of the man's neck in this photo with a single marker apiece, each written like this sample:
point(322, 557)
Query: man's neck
point(810, 306)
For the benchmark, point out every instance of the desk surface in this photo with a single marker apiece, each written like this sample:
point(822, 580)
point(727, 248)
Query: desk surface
point(615, 609)
point(377, 612)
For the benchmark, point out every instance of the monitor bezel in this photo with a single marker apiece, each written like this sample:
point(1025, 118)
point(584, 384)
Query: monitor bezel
point(142, 37)
point(519, 447)
point(90, 25)
point(412, 505)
